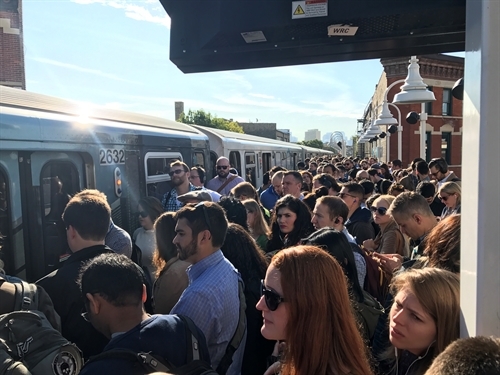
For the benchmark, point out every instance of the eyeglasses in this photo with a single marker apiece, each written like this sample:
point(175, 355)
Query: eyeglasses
point(342, 195)
point(207, 220)
point(177, 171)
point(272, 298)
point(444, 199)
point(143, 214)
point(222, 167)
point(380, 210)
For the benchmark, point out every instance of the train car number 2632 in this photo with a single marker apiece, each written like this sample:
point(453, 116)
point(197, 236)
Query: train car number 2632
point(111, 156)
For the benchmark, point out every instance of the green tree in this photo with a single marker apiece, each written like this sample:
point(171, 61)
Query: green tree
point(202, 118)
point(316, 143)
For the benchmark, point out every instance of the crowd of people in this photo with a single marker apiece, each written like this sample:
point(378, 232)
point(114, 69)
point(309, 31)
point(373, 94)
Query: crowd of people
point(343, 266)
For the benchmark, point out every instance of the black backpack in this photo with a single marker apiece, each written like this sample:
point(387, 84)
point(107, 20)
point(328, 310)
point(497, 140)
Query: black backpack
point(195, 365)
point(29, 344)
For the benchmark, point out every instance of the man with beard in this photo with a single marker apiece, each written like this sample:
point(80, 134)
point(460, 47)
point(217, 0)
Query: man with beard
point(212, 299)
point(179, 174)
point(224, 181)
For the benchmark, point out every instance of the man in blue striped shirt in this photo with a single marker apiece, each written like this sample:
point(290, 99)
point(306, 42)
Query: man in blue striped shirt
point(211, 300)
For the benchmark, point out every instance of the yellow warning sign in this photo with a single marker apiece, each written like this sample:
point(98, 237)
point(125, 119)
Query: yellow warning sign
point(309, 8)
point(299, 11)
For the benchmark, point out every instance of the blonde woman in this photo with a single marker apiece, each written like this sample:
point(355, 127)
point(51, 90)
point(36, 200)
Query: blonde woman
point(424, 319)
point(259, 230)
point(450, 194)
point(390, 240)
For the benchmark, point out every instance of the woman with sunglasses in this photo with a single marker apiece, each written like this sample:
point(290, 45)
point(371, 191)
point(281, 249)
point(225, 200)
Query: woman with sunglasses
point(389, 240)
point(450, 193)
point(149, 209)
point(171, 276)
point(305, 302)
point(290, 223)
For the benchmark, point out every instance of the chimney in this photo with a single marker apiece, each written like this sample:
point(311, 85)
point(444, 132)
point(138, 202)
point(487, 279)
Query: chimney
point(179, 108)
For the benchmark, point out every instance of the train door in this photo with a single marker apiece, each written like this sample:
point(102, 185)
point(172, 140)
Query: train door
point(251, 168)
point(277, 158)
point(48, 180)
point(11, 220)
point(266, 162)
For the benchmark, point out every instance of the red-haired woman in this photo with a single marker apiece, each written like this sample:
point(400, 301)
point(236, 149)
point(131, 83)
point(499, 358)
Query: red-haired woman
point(305, 302)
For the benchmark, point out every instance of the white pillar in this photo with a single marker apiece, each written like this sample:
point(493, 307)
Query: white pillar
point(480, 252)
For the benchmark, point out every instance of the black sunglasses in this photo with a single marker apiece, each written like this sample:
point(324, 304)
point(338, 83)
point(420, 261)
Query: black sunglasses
point(444, 199)
point(143, 214)
point(272, 298)
point(381, 210)
point(222, 167)
point(177, 171)
point(207, 220)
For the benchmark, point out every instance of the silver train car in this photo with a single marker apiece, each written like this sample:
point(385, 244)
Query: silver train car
point(52, 148)
point(253, 156)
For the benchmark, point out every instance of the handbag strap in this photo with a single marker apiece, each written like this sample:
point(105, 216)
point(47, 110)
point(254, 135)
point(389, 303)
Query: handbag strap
point(225, 183)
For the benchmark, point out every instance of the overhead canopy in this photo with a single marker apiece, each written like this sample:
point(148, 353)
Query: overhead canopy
point(219, 35)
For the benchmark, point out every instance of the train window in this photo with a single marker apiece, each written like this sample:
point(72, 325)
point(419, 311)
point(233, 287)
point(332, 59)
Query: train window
point(235, 160)
point(5, 222)
point(199, 160)
point(249, 158)
point(157, 165)
point(59, 180)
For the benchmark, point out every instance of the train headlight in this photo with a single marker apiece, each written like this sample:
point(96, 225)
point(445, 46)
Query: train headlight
point(118, 182)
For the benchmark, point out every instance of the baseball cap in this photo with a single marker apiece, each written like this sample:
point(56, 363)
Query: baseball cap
point(198, 195)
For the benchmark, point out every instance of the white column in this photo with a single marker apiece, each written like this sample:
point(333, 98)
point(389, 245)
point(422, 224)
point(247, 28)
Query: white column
point(480, 252)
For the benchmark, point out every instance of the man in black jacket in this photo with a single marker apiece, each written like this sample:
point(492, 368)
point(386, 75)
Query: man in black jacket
point(117, 310)
point(359, 220)
point(86, 218)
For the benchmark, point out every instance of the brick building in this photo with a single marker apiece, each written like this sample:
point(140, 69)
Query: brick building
point(444, 123)
point(11, 45)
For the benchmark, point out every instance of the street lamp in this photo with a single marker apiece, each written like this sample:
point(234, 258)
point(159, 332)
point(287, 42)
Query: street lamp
point(413, 91)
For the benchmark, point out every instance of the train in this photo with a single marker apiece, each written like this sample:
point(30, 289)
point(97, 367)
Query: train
point(51, 148)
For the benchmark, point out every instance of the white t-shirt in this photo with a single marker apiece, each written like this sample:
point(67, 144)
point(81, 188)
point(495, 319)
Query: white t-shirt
point(145, 240)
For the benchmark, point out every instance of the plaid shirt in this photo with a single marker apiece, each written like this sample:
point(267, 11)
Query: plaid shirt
point(173, 205)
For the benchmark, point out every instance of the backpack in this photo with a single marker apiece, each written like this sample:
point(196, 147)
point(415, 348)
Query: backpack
point(149, 363)
point(194, 364)
point(370, 310)
point(377, 280)
point(29, 345)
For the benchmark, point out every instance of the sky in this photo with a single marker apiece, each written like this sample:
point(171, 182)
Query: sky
point(115, 53)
